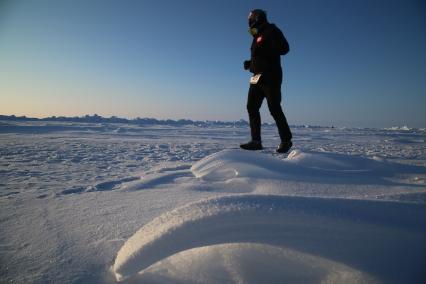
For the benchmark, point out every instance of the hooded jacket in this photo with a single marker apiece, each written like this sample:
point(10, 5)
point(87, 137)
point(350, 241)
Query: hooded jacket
point(266, 48)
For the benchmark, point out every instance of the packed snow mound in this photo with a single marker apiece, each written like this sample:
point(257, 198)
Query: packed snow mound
point(372, 236)
point(305, 166)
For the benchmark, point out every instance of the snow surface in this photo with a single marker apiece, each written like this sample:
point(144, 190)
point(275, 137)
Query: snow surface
point(101, 202)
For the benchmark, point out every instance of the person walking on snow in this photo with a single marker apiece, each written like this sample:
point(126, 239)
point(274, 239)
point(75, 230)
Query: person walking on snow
point(267, 46)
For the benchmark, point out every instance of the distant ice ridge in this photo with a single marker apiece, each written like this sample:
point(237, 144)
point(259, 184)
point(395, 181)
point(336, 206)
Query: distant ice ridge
point(97, 119)
point(320, 238)
point(113, 119)
point(398, 128)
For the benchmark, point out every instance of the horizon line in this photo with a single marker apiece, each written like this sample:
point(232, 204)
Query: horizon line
point(165, 120)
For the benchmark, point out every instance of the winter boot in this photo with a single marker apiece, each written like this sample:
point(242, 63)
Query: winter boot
point(252, 145)
point(284, 147)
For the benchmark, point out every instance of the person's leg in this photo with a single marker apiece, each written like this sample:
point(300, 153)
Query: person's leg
point(254, 102)
point(273, 96)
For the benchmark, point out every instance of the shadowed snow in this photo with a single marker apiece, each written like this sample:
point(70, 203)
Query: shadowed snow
point(248, 263)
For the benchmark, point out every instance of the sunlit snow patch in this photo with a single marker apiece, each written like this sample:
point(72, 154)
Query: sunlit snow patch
point(371, 236)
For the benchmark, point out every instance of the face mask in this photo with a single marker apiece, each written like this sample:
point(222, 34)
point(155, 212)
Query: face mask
point(253, 31)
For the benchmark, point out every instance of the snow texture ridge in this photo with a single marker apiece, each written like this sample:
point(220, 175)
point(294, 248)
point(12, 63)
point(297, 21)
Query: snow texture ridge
point(353, 232)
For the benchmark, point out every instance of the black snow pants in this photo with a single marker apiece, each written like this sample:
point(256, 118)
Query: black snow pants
point(272, 92)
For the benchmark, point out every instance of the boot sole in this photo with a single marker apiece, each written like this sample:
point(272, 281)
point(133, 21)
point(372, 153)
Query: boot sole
point(251, 149)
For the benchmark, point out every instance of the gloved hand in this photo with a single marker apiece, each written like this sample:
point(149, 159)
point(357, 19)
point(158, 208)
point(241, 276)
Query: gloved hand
point(247, 64)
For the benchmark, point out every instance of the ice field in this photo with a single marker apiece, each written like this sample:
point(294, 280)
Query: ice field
point(105, 202)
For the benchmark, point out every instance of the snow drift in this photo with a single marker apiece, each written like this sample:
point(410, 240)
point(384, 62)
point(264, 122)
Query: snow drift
point(374, 236)
point(373, 239)
point(320, 167)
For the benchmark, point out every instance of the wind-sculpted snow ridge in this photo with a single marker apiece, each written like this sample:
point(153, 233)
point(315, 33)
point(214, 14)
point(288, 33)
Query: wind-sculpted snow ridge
point(236, 168)
point(318, 167)
point(382, 239)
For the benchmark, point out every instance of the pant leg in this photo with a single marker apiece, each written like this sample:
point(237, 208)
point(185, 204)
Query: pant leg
point(273, 97)
point(254, 102)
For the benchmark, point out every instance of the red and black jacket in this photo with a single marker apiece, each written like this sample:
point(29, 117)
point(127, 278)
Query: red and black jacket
point(267, 47)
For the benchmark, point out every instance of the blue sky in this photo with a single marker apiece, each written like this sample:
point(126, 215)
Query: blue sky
point(351, 63)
